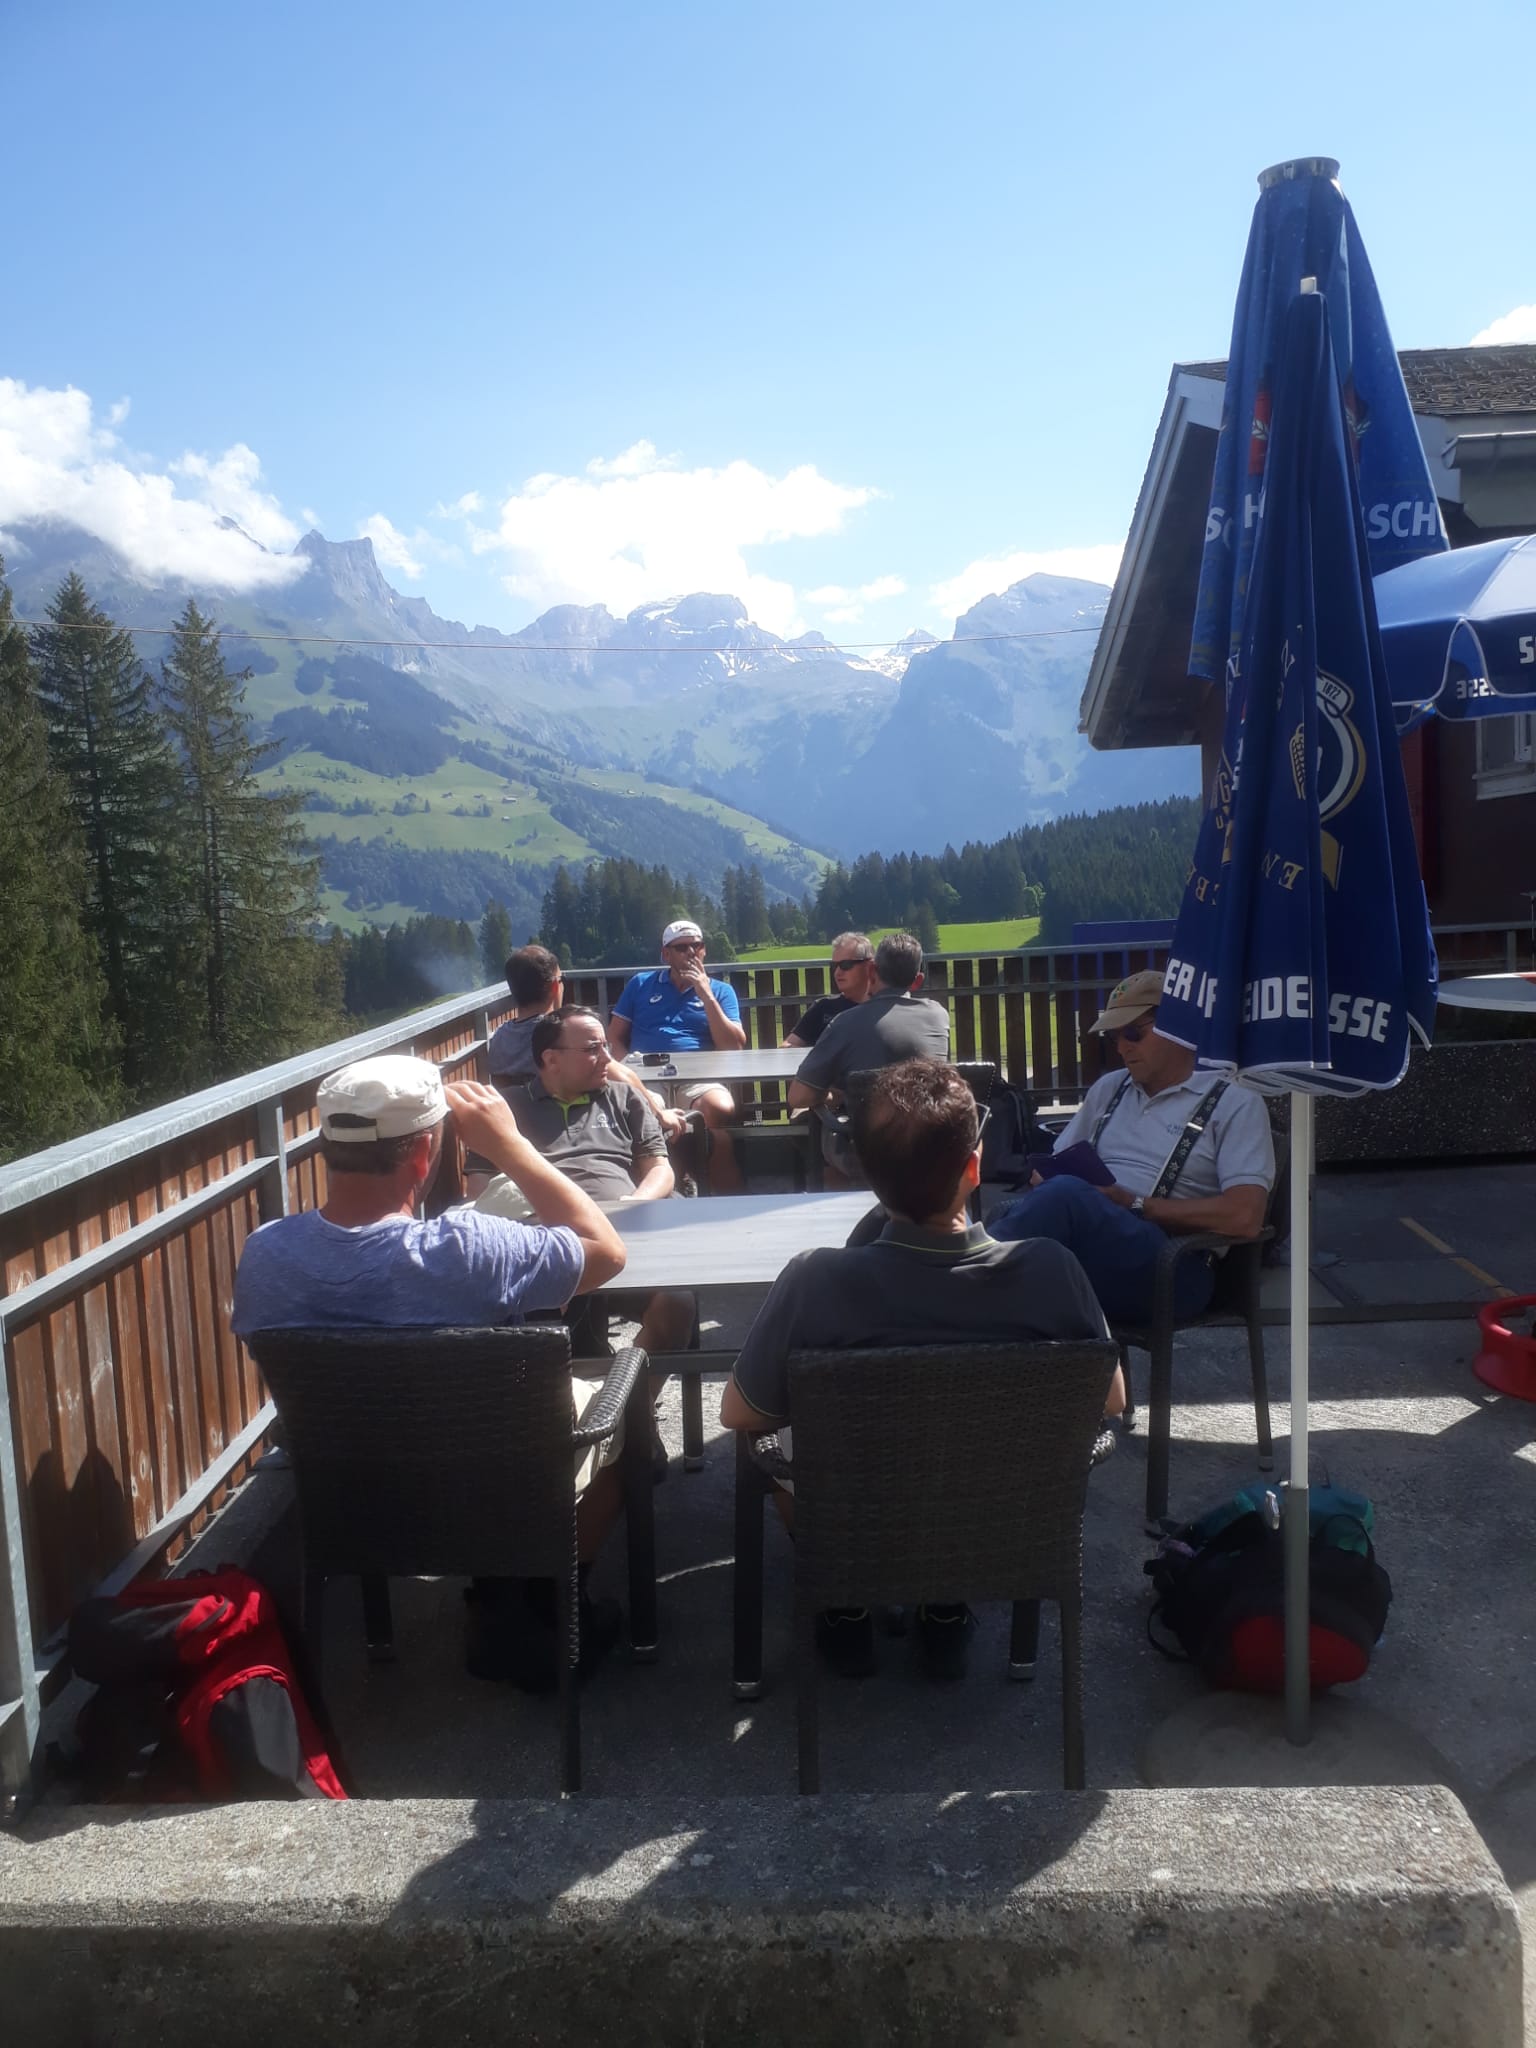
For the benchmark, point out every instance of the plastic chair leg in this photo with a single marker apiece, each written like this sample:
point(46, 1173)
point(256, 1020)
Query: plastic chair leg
point(1160, 1428)
point(691, 1388)
point(807, 1725)
point(1073, 1763)
point(640, 1521)
point(747, 1578)
point(568, 1649)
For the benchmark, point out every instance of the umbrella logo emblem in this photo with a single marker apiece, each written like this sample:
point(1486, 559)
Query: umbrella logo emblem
point(1340, 763)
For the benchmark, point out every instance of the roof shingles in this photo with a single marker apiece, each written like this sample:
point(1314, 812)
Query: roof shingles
point(1453, 382)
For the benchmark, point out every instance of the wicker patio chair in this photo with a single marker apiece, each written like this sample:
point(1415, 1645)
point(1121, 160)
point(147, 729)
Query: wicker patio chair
point(1235, 1301)
point(935, 1473)
point(452, 1452)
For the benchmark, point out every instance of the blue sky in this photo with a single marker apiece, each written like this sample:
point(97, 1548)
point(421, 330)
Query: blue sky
point(856, 310)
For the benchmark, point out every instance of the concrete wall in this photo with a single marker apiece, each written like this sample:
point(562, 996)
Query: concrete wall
point(1455, 1102)
point(1347, 1919)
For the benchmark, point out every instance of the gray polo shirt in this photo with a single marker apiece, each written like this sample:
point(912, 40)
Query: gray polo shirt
point(913, 1286)
point(596, 1141)
point(1236, 1148)
point(892, 1026)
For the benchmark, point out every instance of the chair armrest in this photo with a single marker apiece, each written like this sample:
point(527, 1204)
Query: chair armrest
point(1177, 1248)
point(606, 1412)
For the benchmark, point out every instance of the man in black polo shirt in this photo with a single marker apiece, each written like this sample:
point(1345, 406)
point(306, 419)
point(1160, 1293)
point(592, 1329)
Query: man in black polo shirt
point(853, 980)
point(893, 1024)
point(931, 1277)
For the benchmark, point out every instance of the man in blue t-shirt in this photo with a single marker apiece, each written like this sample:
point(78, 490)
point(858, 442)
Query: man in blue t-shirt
point(366, 1257)
point(678, 1008)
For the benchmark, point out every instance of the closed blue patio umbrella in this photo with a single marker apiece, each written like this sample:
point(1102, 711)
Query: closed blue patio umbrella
point(1302, 959)
point(1303, 227)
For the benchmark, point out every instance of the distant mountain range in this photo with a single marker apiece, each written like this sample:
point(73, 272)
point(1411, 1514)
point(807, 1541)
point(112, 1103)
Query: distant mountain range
point(932, 741)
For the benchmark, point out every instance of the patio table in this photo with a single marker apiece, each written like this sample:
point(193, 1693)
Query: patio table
point(1511, 992)
point(748, 1063)
point(720, 1241)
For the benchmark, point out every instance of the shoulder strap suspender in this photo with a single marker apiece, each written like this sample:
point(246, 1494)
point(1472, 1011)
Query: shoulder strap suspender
point(1173, 1165)
point(1108, 1111)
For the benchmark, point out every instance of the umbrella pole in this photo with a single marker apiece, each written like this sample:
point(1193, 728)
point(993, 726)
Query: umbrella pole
point(1298, 1599)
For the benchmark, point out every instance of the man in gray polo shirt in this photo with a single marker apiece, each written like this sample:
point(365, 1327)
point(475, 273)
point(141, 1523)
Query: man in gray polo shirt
point(931, 1277)
point(891, 1025)
point(1137, 1122)
point(602, 1137)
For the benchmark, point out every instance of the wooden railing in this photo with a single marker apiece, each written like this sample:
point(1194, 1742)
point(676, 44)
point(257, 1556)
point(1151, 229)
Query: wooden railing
point(127, 1408)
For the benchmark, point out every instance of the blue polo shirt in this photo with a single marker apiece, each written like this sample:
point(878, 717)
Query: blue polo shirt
point(665, 1018)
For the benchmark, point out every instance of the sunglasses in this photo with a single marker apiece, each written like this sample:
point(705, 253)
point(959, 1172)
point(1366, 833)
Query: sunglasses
point(842, 966)
point(592, 1047)
point(1132, 1034)
point(686, 946)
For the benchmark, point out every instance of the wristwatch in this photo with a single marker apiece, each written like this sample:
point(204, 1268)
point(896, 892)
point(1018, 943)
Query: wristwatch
point(1138, 1205)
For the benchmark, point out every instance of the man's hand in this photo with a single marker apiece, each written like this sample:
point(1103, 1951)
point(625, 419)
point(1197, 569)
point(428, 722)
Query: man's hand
point(482, 1117)
point(1121, 1197)
point(695, 973)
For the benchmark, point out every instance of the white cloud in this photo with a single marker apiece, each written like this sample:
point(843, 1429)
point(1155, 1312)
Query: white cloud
point(844, 607)
point(1518, 325)
point(637, 527)
point(1099, 564)
point(405, 553)
point(390, 545)
point(58, 466)
point(230, 486)
point(461, 508)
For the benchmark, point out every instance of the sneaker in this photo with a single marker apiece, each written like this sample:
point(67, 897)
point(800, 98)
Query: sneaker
point(943, 1634)
point(845, 1637)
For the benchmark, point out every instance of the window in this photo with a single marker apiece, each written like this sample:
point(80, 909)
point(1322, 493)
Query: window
point(1506, 755)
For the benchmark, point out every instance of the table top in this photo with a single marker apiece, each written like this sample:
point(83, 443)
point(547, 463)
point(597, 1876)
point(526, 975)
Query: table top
point(726, 1240)
point(1490, 992)
point(763, 1063)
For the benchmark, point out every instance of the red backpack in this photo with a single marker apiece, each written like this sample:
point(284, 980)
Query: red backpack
point(199, 1697)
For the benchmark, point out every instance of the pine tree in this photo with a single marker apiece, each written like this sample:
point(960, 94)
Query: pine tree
point(495, 939)
point(256, 977)
point(116, 762)
point(57, 1069)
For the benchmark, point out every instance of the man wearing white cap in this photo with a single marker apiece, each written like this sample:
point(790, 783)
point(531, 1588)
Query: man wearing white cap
point(678, 1008)
point(1184, 1150)
point(365, 1256)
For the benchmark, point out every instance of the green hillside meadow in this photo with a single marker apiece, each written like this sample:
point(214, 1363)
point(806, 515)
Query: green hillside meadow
point(1002, 935)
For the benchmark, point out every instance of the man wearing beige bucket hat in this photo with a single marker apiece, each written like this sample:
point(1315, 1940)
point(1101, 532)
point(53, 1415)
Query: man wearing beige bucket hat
point(1158, 1148)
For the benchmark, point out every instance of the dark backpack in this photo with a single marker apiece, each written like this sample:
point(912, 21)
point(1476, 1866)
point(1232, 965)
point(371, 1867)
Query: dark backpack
point(1009, 1135)
point(198, 1696)
point(1220, 1584)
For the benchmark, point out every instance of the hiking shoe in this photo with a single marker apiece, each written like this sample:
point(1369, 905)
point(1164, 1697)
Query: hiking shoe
point(845, 1637)
point(943, 1633)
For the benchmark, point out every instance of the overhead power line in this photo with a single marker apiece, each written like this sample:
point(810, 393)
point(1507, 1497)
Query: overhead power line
point(549, 646)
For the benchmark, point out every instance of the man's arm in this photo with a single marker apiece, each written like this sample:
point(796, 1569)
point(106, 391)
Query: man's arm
point(487, 1125)
point(737, 1412)
point(725, 1033)
point(618, 1036)
point(648, 1162)
point(1235, 1212)
point(672, 1121)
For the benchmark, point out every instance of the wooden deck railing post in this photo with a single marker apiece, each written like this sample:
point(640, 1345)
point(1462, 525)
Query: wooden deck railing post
point(20, 1700)
point(272, 1143)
